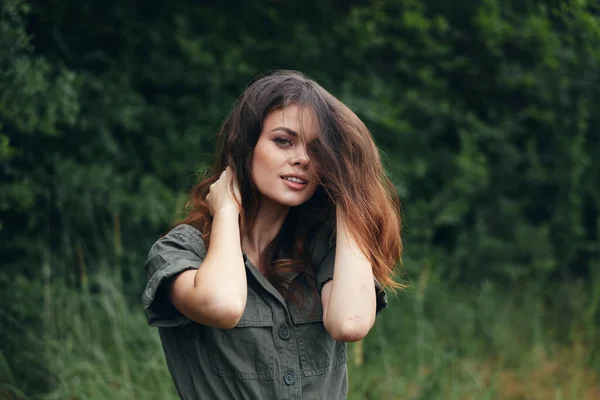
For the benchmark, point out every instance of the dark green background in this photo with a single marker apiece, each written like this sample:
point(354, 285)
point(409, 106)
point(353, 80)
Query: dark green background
point(486, 112)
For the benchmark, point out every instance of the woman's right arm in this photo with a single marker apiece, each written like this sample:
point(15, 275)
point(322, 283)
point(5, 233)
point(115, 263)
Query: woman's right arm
point(215, 294)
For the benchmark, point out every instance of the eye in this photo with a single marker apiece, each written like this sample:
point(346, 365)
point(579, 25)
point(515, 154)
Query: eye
point(282, 141)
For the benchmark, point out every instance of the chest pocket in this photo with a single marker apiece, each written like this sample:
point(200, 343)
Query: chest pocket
point(319, 353)
point(247, 351)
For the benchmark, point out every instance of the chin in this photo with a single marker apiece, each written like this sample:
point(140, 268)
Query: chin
point(293, 202)
point(289, 201)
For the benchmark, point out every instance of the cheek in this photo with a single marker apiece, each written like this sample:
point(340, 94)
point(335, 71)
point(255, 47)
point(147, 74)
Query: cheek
point(258, 161)
point(266, 157)
point(262, 167)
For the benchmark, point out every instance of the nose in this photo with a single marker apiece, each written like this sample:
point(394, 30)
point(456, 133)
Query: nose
point(299, 158)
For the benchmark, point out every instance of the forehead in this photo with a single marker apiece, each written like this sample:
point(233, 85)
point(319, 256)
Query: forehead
point(301, 120)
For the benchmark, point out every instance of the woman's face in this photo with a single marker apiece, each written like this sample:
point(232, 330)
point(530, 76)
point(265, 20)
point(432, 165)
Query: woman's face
point(281, 169)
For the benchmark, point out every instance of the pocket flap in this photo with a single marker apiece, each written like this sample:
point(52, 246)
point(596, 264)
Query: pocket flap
point(257, 312)
point(310, 310)
point(307, 318)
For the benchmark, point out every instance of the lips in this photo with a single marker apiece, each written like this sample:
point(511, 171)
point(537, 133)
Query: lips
point(294, 183)
point(301, 179)
point(295, 180)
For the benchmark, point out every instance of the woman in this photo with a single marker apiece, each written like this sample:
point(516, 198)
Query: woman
point(284, 254)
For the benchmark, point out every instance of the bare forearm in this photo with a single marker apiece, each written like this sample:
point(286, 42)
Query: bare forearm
point(352, 301)
point(223, 269)
point(215, 294)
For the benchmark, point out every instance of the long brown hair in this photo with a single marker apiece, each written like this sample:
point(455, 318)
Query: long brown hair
point(350, 173)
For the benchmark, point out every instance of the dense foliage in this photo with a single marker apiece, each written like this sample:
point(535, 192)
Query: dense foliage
point(485, 110)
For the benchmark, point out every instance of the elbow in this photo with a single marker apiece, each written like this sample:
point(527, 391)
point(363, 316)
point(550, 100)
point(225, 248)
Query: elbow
point(350, 330)
point(226, 313)
point(223, 313)
point(227, 316)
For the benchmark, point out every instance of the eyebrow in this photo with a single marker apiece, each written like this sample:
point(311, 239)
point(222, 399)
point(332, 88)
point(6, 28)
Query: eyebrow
point(289, 131)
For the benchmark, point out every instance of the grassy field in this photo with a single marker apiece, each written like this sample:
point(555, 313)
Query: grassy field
point(433, 342)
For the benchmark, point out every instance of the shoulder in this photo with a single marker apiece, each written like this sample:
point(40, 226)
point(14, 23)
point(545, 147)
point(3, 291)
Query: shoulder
point(186, 231)
point(180, 237)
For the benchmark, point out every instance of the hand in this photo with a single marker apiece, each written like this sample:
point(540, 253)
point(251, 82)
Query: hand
point(224, 193)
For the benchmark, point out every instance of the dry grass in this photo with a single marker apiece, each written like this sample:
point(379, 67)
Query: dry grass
point(486, 343)
point(564, 375)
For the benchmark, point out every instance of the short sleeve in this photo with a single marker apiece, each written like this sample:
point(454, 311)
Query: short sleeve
point(326, 267)
point(179, 250)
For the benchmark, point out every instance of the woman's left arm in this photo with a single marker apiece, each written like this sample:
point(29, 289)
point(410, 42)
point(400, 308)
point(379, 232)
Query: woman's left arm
point(349, 299)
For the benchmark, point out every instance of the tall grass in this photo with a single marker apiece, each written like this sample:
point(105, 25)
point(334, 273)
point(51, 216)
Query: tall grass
point(488, 342)
point(97, 346)
point(433, 342)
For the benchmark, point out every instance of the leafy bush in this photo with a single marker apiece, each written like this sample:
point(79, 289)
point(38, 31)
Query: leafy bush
point(484, 111)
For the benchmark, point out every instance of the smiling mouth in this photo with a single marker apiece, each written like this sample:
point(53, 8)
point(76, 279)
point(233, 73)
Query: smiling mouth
point(295, 180)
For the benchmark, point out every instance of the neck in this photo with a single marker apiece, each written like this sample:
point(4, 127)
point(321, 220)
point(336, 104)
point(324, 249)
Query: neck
point(269, 221)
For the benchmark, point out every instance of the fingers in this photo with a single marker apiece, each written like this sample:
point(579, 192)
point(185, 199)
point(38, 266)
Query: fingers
point(232, 180)
point(228, 178)
point(224, 191)
point(233, 185)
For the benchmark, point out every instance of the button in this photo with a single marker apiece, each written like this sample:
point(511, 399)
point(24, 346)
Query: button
point(284, 333)
point(289, 378)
